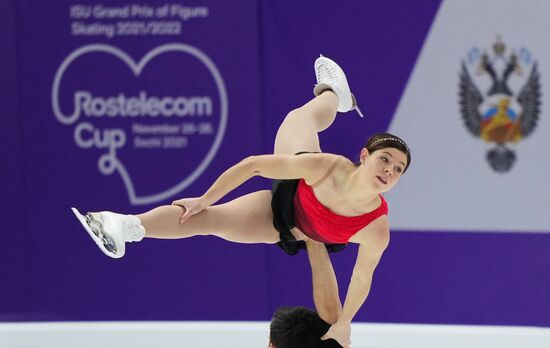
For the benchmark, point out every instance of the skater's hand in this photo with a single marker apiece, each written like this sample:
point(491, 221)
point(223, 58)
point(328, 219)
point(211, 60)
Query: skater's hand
point(340, 332)
point(191, 207)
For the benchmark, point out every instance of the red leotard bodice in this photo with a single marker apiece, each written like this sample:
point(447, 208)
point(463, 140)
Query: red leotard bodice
point(321, 224)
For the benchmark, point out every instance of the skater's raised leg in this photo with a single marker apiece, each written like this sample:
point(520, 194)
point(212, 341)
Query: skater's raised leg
point(299, 130)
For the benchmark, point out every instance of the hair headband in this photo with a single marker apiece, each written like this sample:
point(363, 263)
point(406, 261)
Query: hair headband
point(390, 139)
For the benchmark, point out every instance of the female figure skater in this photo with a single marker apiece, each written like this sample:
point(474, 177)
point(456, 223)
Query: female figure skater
point(319, 196)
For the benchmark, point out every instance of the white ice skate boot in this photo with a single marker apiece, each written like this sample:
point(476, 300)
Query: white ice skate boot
point(331, 76)
point(110, 231)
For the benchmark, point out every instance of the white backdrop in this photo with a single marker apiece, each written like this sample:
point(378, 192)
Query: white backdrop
point(450, 181)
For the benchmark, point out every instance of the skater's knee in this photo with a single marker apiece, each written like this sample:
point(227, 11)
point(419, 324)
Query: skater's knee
point(299, 119)
point(293, 116)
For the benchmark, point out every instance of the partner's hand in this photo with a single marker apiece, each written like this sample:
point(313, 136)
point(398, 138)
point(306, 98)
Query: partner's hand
point(340, 332)
point(310, 243)
point(191, 206)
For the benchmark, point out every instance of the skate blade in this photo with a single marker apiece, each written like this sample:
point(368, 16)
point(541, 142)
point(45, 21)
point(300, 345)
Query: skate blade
point(102, 240)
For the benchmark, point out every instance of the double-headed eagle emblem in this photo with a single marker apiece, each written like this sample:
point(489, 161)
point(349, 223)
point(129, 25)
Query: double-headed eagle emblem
point(500, 116)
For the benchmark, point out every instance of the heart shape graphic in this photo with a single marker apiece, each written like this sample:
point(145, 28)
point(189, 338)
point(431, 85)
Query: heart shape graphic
point(108, 163)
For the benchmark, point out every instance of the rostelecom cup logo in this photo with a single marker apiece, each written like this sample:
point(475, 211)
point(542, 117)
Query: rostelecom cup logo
point(500, 99)
point(139, 118)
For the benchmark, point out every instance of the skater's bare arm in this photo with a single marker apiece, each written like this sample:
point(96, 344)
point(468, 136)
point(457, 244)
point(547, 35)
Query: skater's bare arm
point(310, 167)
point(373, 240)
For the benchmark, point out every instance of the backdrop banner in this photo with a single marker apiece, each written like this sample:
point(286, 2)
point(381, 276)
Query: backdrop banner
point(126, 105)
point(478, 123)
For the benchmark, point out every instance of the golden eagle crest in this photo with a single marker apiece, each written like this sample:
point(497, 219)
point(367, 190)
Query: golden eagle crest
point(509, 109)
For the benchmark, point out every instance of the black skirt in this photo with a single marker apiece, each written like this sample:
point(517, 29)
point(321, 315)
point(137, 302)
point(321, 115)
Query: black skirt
point(282, 206)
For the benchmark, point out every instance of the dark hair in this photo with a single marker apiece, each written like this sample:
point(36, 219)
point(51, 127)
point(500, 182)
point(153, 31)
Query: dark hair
point(296, 327)
point(384, 140)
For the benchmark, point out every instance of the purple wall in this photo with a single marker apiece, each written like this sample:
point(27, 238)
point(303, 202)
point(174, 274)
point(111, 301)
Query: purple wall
point(264, 51)
point(15, 286)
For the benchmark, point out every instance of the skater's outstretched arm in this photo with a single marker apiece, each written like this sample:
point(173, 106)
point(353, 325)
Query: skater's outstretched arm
point(310, 167)
point(373, 241)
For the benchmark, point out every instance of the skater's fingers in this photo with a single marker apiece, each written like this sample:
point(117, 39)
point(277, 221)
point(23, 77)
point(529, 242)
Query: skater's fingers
point(190, 207)
point(178, 203)
point(182, 204)
point(185, 216)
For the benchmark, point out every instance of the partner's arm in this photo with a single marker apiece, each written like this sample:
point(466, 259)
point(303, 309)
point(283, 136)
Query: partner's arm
point(325, 286)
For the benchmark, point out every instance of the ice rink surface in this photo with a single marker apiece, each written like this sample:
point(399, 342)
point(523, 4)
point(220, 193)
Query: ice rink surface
point(255, 334)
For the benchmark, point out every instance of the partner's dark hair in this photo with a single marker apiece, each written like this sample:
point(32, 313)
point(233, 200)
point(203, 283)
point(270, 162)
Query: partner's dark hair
point(384, 140)
point(296, 327)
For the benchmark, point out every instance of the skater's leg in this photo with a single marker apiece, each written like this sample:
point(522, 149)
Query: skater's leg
point(298, 132)
point(247, 219)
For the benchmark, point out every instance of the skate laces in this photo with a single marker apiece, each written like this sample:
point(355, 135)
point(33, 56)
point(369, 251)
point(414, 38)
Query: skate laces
point(325, 73)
